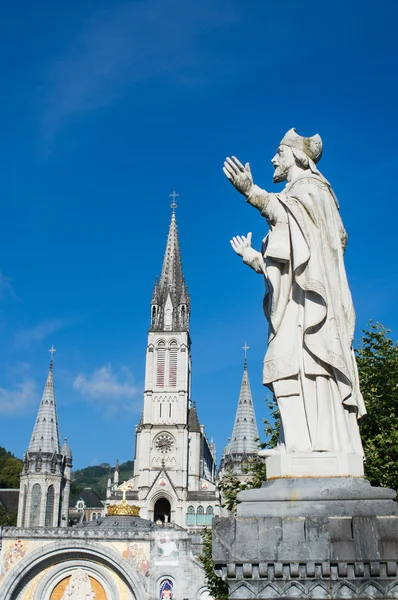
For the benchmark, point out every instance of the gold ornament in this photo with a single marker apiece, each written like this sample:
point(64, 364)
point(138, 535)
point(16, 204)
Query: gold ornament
point(124, 509)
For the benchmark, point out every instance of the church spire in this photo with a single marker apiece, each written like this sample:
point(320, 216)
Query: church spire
point(245, 429)
point(45, 436)
point(170, 305)
point(242, 445)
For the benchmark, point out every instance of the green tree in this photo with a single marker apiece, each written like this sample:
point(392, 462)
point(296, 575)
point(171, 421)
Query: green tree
point(10, 472)
point(377, 358)
point(255, 469)
point(217, 587)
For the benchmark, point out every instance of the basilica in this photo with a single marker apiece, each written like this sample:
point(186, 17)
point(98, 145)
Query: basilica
point(144, 541)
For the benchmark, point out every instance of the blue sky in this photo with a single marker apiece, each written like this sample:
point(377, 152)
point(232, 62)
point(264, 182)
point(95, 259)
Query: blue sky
point(106, 108)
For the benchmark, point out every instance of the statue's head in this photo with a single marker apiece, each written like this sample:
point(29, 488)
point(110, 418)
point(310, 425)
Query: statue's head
point(296, 150)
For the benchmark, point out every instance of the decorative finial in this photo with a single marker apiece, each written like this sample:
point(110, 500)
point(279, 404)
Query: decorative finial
point(51, 351)
point(245, 348)
point(173, 203)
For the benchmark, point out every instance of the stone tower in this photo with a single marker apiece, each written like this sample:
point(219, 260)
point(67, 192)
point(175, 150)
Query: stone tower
point(242, 445)
point(45, 479)
point(173, 459)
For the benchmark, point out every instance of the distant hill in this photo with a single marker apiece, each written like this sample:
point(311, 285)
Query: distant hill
point(97, 477)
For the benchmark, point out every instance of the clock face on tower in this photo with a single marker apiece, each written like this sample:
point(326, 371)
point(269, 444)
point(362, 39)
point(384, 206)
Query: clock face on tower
point(164, 443)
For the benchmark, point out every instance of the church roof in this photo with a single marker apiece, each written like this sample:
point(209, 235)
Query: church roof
point(45, 436)
point(245, 432)
point(90, 498)
point(171, 283)
point(193, 421)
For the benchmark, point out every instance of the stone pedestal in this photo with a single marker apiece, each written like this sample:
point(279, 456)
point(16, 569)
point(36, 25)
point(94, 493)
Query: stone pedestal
point(314, 464)
point(310, 537)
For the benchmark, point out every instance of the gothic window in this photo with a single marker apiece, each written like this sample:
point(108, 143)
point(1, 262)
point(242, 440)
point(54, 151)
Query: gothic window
point(166, 590)
point(173, 356)
point(200, 516)
point(190, 516)
point(49, 507)
point(160, 364)
point(209, 515)
point(35, 505)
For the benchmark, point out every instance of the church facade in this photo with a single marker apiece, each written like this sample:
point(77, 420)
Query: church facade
point(147, 545)
point(175, 465)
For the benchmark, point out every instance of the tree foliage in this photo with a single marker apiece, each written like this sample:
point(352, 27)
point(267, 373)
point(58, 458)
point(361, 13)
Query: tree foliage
point(230, 485)
point(10, 469)
point(96, 477)
point(377, 358)
point(217, 587)
point(254, 469)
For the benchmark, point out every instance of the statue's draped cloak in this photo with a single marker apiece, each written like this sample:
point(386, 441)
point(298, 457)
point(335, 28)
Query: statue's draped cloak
point(308, 303)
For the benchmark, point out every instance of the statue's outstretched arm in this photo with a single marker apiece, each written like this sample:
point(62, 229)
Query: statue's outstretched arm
point(242, 246)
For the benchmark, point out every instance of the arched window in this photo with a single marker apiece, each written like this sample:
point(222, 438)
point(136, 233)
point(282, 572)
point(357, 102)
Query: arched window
point(209, 515)
point(173, 356)
point(200, 516)
point(160, 364)
point(166, 590)
point(94, 516)
point(49, 507)
point(190, 516)
point(35, 503)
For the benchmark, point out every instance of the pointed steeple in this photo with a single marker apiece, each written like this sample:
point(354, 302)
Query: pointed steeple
point(46, 477)
point(245, 427)
point(45, 436)
point(170, 306)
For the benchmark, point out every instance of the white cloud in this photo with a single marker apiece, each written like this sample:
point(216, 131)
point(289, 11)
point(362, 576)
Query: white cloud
point(22, 398)
point(26, 337)
point(113, 390)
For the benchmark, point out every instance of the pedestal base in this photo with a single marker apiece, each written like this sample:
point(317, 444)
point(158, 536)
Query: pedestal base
point(326, 496)
point(314, 464)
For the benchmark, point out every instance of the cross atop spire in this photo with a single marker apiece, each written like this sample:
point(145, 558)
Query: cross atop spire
point(245, 348)
point(51, 351)
point(173, 203)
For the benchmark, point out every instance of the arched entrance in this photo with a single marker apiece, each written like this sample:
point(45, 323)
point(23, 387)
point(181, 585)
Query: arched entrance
point(162, 510)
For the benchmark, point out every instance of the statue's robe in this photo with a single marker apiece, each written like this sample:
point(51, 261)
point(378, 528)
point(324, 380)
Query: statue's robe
point(309, 364)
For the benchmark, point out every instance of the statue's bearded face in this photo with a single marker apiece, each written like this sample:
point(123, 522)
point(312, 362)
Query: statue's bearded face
point(282, 161)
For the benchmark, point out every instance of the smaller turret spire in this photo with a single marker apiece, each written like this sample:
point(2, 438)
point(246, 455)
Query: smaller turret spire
point(243, 442)
point(245, 429)
point(45, 436)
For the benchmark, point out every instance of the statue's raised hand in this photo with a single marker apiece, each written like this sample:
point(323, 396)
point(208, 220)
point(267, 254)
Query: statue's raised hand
point(240, 243)
point(240, 176)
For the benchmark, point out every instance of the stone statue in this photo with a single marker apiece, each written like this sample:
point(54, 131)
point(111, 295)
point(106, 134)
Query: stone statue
point(309, 364)
point(79, 587)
